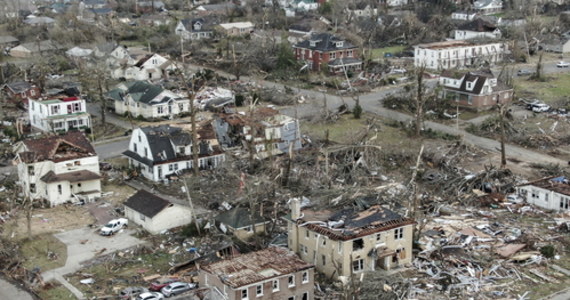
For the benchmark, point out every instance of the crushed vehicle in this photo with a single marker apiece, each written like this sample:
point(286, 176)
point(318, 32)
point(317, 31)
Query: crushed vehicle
point(114, 226)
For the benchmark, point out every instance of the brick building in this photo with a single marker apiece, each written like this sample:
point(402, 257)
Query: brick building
point(325, 48)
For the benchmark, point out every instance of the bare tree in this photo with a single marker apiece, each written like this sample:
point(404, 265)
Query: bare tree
point(420, 98)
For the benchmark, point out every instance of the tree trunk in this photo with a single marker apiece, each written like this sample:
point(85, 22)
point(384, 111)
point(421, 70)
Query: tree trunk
point(195, 146)
point(419, 102)
point(502, 119)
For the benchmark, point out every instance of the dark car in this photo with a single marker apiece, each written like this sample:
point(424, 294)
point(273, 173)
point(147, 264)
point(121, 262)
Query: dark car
point(159, 283)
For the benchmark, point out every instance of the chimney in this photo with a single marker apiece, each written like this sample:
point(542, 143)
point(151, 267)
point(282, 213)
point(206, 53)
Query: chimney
point(295, 206)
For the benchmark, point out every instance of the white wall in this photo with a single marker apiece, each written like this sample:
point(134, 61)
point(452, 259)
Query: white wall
point(542, 197)
point(170, 217)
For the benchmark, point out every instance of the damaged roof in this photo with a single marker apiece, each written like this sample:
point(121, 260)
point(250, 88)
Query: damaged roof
point(257, 266)
point(559, 184)
point(239, 217)
point(72, 145)
point(478, 25)
point(76, 176)
point(349, 223)
point(146, 203)
point(324, 42)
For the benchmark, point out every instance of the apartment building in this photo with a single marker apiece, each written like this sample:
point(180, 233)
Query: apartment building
point(458, 54)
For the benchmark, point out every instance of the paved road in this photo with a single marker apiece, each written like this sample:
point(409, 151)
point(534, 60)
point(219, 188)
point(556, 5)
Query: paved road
point(11, 291)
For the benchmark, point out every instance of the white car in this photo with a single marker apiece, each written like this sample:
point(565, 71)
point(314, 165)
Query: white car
point(540, 107)
point(114, 226)
point(563, 64)
point(150, 296)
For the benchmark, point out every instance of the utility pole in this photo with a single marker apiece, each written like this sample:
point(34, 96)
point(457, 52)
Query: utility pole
point(191, 206)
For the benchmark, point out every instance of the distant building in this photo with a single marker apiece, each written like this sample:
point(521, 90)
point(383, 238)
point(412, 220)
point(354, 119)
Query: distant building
point(59, 169)
point(549, 193)
point(163, 151)
point(458, 54)
point(238, 28)
point(477, 29)
point(463, 15)
point(141, 98)
point(21, 91)
point(34, 48)
point(348, 242)
point(194, 29)
point(488, 7)
point(476, 89)
point(272, 273)
point(59, 115)
point(154, 213)
point(326, 49)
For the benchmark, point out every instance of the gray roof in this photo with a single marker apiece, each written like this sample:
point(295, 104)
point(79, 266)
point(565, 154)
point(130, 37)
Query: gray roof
point(324, 42)
point(239, 217)
point(140, 91)
point(19, 86)
point(39, 20)
point(219, 7)
point(5, 39)
point(344, 61)
point(146, 203)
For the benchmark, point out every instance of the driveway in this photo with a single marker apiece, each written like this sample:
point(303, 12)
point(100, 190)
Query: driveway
point(94, 244)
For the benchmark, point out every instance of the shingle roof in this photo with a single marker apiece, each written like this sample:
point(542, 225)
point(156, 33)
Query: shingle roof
point(72, 145)
point(239, 217)
point(256, 266)
point(144, 92)
point(146, 203)
point(19, 87)
point(478, 25)
point(324, 42)
point(76, 176)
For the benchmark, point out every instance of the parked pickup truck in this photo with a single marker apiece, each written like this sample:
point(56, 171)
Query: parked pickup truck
point(113, 226)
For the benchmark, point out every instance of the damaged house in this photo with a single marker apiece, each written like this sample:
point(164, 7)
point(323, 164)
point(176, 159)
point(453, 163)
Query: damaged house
point(20, 91)
point(272, 273)
point(270, 131)
point(550, 193)
point(346, 242)
point(141, 98)
point(241, 222)
point(161, 151)
point(326, 49)
point(476, 89)
point(59, 169)
point(59, 114)
point(477, 28)
point(148, 67)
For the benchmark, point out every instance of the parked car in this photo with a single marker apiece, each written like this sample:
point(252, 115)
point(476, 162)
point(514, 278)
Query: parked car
point(176, 288)
point(150, 296)
point(130, 292)
point(114, 226)
point(540, 107)
point(388, 54)
point(563, 64)
point(514, 198)
point(161, 282)
point(524, 72)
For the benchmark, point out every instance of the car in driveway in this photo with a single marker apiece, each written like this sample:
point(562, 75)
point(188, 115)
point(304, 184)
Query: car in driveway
point(161, 282)
point(114, 226)
point(150, 296)
point(133, 291)
point(524, 72)
point(176, 288)
point(563, 64)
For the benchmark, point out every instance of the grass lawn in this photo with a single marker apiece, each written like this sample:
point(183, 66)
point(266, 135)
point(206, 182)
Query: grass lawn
point(57, 292)
point(379, 52)
point(36, 252)
point(554, 88)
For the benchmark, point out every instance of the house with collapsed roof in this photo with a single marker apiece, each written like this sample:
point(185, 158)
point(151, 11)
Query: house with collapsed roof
point(241, 223)
point(160, 152)
point(326, 49)
point(269, 131)
point(59, 169)
point(272, 273)
point(156, 214)
point(59, 114)
point(475, 89)
point(212, 98)
point(458, 54)
point(549, 193)
point(487, 7)
point(347, 241)
point(148, 67)
point(20, 91)
point(147, 100)
point(477, 29)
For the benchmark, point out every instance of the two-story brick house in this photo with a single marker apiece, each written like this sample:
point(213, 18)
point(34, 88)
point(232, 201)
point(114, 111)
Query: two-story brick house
point(272, 273)
point(59, 115)
point(326, 49)
point(475, 89)
point(58, 169)
point(346, 242)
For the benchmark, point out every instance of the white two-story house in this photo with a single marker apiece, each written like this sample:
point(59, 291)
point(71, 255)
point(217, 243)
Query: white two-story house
point(550, 193)
point(58, 169)
point(477, 29)
point(161, 151)
point(59, 115)
point(141, 98)
point(458, 54)
point(194, 29)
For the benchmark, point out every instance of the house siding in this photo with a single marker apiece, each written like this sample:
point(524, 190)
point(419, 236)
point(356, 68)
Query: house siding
point(544, 198)
point(170, 217)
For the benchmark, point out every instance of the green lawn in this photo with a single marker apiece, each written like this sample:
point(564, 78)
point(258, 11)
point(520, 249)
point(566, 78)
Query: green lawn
point(57, 292)
point(379, 52)
point(554, 88)
point(36, 252)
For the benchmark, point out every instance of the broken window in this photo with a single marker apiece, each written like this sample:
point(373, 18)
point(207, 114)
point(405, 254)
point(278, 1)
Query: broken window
point(275, 285)
point(135, 147)
point(357, 244)
point(244, 294)
point(398, 233)
point(305, 296)
point(358, 265)
point(32, 188)
point(31, 171)
point(259, 290)
point(59, 189)
point(378, 237)
point(305, 277)
point(564, 203)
